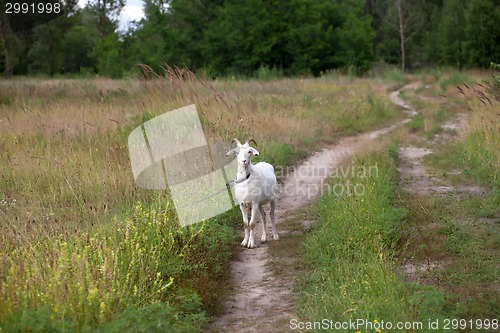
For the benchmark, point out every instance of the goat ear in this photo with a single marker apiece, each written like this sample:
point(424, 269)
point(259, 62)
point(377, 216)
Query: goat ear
point(254, 151)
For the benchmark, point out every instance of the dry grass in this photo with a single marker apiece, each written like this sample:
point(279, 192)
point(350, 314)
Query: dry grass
point(65, 160)
point(65, 172)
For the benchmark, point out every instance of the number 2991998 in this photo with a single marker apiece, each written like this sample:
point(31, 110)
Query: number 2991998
point(32, 8)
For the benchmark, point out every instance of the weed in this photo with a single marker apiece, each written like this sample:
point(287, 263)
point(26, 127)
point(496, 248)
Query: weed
point(280, 154)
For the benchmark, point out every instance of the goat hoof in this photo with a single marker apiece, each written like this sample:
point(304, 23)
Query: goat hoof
point(244, 243)
point(276, 237)
point(251, 245)
point(263, 238)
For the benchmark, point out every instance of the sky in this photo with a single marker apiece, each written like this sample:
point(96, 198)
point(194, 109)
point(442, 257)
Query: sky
point(131, 12)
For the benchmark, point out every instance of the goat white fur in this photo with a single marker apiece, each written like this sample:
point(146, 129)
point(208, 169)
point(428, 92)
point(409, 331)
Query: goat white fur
point(255, 185)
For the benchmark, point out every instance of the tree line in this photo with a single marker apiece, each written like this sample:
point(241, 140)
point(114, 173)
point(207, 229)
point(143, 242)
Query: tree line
point(240, 37)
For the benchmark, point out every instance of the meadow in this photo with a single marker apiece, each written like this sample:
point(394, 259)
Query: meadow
point(357, 252)
point(85, 249)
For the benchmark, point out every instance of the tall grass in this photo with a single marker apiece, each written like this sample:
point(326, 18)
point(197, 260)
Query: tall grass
point(453, 79)
point(351, 255)
point(481, 144)
point(89, 278)
point(476, 150)
point(72, 246)
point(64, 156)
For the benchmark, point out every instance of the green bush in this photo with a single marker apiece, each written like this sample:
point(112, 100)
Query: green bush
point(455, 78)
point(136, 262)
point(266, 73)
point(36, 321)
point(159, 317)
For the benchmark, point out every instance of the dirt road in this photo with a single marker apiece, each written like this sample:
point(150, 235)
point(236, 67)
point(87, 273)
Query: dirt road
point(258, 301)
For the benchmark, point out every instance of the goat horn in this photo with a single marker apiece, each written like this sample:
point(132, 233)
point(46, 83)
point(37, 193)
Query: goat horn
point(237, 141)
point(251, 140)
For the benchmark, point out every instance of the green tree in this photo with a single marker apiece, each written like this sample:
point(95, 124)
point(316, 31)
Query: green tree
point(188, 25)
point(46, 53)
point(312, 40)
point(107, 13)
point(154, 7)
point(355, 41)
point(109, 53)
point(404, 20)
point(17, 34)
point(482, 45)
point(452, 33)
point(298, 36)
point(151, 42)
point(431, 43)
point(108, 48)
point(244, 37)
point(9, 41)
point(77, 47)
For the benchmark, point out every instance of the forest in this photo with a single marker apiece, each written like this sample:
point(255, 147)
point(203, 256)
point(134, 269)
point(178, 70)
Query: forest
point(239, 38)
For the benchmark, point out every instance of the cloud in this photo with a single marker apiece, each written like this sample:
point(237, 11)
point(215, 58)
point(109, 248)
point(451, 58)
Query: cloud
point(128, 14)
point(132, 13)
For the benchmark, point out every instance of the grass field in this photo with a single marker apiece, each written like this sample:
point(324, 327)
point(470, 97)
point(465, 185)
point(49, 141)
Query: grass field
point(356, 255)
point(85, 249)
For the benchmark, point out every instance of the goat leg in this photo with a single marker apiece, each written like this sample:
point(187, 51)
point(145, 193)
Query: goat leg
point(264, 226)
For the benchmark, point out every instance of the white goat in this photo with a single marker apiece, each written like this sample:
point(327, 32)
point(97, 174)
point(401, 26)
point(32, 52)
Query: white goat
point(255, 185)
